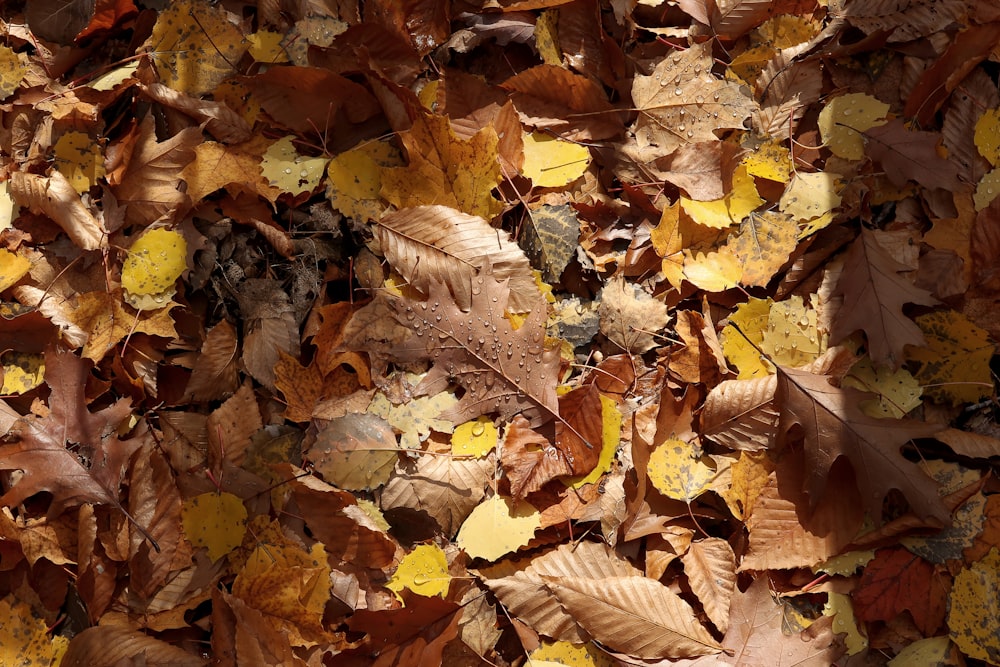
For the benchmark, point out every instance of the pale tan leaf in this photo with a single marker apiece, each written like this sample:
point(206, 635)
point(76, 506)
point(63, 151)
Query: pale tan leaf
point(438, 243)
point(630, 317)
point(446, 489)
point(710, 566)
point(635, 615)
point(214, 374)
point(788, 88)
point(56, 198)
point(740, 414)
point(735, 18)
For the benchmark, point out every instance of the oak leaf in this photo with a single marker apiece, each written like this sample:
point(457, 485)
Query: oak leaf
point(835, 426)
point(874, 294)
point(896, 581)
point(45, 453)
point(911, 154)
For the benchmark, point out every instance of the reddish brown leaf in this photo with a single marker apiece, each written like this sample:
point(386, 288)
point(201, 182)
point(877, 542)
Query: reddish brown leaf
point(896, 581)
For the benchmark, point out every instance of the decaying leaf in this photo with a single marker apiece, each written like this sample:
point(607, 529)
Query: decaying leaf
point(630, 317)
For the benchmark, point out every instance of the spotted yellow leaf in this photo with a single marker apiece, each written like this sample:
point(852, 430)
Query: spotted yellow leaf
point(810, 195)
point(987, 135)
point(154, 263)
point(216, 521)
point(843, 120)
point(285, 168)
point(676, 471)
point(79, 159)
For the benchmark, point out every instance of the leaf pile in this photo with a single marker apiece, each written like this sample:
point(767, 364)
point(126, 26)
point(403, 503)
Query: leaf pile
point(564, 332)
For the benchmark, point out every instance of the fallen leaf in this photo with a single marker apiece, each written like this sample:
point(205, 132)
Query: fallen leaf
point(972, 624)
point(496, 527)
point(631, 318)
point(423, 571)
point(843, 120)
point(216, 521)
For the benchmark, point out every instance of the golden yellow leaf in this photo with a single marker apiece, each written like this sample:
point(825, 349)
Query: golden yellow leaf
point(423, 571)
point(810, 195)
point(12, 71)
point(22, 372)
point(930, 651)
point(217, 166)
point(286, 169)
point(154, 263)
point(290, 586)
point(954, 366)
point(193, 43)
point(216, 521)
point(844, 118)
point(498, 526)
point(547, 37)
point(354, 179)
point(763, 244)
point(79, 159)
point(973, 618)
point(106, 319)
point(987, 135)
point(265, 47)
point(745, 330)
point(444, 169)
point(551, 162)
point(571, 655)
point(771, 160)
point(787, 30)
point(736, 205)
point(669, 244)
point(713, 271)
point(475, 438)
point(12, 268)
point(24, 638)
point(677, 473)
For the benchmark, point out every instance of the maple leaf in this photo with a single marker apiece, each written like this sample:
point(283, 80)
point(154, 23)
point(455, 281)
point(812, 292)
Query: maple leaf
point(897, 580)
point(89, 475)
point(501, 370)
point(874, 294)
point(835, 426)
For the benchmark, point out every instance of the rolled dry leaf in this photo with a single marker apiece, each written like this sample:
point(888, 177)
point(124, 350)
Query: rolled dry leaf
point(53, 196)
point(221, 122)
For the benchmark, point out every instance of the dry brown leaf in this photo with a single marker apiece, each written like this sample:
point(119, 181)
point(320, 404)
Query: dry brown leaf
point(740, 414)
point(630, 317)
point(112, 646)
point(787, 88)
point(710, 566)
point(56, 198)
point(220, 121)
point(440, 244)
point(634, 615)
point(214, 374)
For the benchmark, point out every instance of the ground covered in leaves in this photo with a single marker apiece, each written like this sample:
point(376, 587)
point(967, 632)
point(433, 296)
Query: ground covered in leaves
point(527, 332)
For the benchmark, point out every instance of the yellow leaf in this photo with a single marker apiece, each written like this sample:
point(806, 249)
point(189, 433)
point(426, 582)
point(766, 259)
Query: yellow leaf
point(416, 418)
point(551, 162)
point(547, 37)
point(987, 189)
point(930, 651)
point(987, 135)
point(748, 65)
point(839, 606)
point(898, 391)
point(22, 372)
point(154, 263)
point(265, 47)
point(713, 271)
point(792, 337)
point(354, 179)
point(106, 319)
point(423, 571)
point(763, 244)
point(771, 160)
point(193, 44)
point(217, 166)
point(12, 268)
point(611, 430)
point(814, 225)
point(476, 438)
point(973, 619)
point(844, 118)
point(669, 244)
point(216, 521)
point(677, 473)
point(284, 168)
point(787, 30)
point(444, 169)
point(721, 213)
point(846, 564)
point(954, 366)
point(24, 638)
point(498, 526)
point(571, 655)
point(810, 195)
point(12, 71)
point(79, 159)
point(750, 319)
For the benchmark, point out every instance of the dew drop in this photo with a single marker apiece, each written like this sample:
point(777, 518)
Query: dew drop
point(288, 171)
point(699, 99)
point(682, 112)
point(690, 133)
point(477, 290)
point(678, 91)
point(303, 174)
point(677, 80)
point(437, 318)
point(681, 127)
point(715, 96)
point(847, 112)
point(478, 429)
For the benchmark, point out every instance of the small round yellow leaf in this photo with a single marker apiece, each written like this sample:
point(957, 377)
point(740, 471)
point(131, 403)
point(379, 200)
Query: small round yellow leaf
point(843, 120)
point(476, 438)
point(987, 136)
point(216, 521)
point(154, 262)
point(676, 473)
point(987, 189)
point(497, 527)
